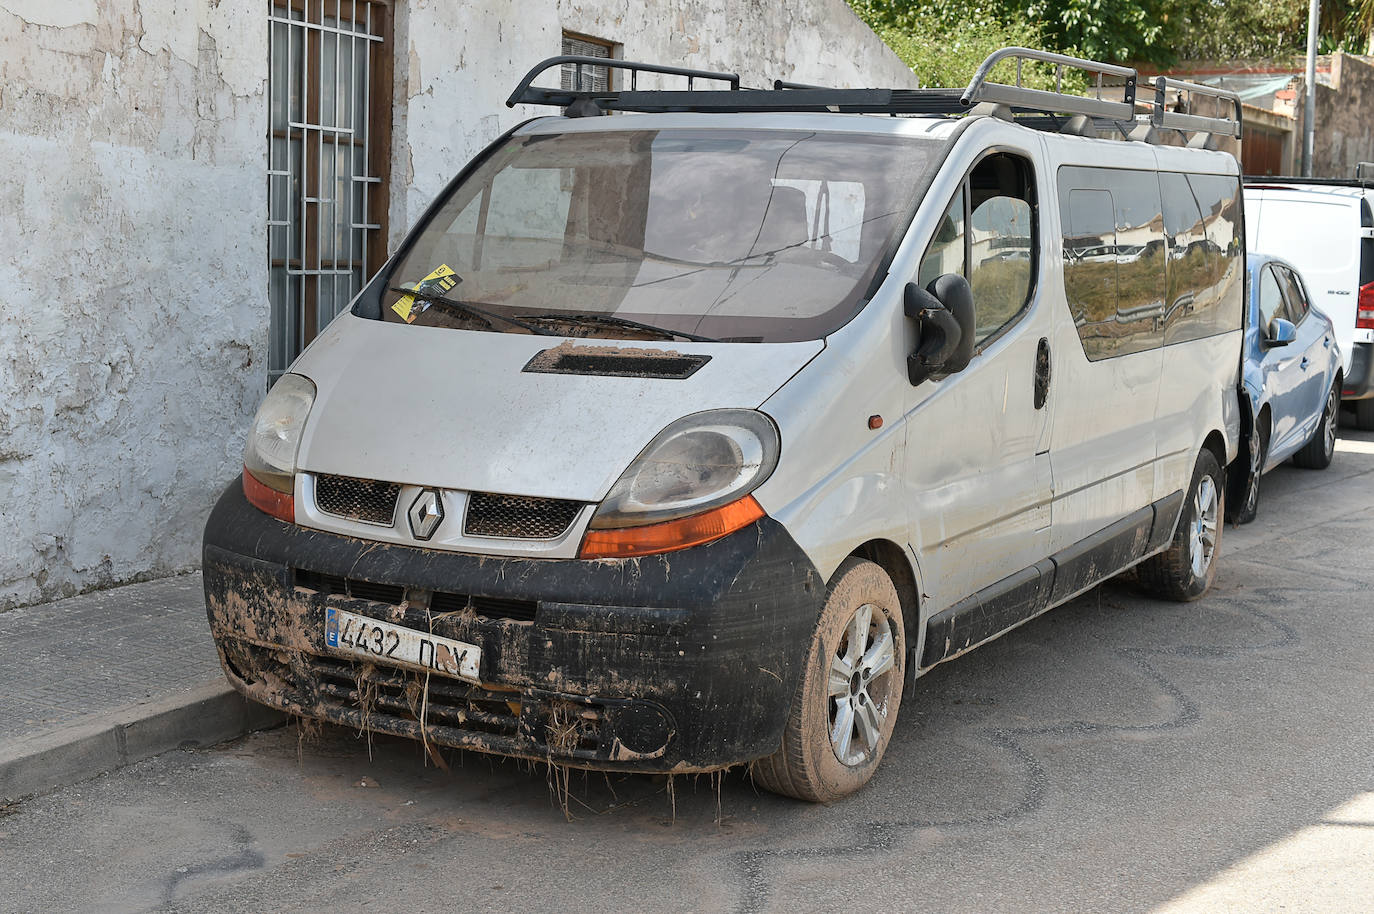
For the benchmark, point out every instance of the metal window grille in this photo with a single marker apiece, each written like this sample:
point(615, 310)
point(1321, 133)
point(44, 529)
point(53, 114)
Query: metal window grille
point(328, 118)
point(594, 79)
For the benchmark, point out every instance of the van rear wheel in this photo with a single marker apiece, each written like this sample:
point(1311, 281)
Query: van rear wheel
point(1188, 567)
point(845, 706)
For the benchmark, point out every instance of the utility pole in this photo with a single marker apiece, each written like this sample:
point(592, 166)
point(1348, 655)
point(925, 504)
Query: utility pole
point(1309, 126)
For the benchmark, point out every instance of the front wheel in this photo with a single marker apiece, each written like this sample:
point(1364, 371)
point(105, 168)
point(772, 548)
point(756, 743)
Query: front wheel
point(845, 706)
point(1316, 454)
point(1188, 567)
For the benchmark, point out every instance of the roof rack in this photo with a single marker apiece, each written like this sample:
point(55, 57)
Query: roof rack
point(1018, 96)
point(1161, 116)
point(1039, 108)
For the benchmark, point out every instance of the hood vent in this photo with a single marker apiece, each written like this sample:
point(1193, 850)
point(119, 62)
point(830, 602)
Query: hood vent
point(614, 362)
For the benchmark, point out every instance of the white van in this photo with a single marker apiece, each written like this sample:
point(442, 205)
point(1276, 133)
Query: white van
point(684, 439)
point(1325, 227)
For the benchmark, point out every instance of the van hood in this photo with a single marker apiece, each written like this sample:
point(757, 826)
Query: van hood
point(456, 409)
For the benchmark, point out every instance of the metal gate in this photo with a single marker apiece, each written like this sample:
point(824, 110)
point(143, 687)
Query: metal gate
point(329, 115)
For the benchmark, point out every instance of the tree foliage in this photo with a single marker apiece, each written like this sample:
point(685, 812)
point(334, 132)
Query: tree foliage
point(939, 37)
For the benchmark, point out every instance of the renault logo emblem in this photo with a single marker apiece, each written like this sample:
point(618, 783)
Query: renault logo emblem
point(426, 513)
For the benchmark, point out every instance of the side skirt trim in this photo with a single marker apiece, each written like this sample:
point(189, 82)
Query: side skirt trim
point(1014, 600)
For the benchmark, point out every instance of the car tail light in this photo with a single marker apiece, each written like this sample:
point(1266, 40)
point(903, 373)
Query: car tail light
point(1364, 313)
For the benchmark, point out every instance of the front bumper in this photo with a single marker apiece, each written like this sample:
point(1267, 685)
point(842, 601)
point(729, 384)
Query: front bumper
point(1360, 384)
point(680, 662)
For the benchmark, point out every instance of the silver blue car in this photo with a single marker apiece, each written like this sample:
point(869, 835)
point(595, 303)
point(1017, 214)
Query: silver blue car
point(1291, 373)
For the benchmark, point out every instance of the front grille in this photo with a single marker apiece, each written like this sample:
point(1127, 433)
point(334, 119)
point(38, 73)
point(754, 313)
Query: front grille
point(488, 607)
point(391, 700)
point(517, 517)
point(450, 703)
point(439, 601)
point(367, 500)
point(349, 587)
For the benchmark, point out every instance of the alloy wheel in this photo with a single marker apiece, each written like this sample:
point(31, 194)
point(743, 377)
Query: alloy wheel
point(1202, 541)
point(860, 682)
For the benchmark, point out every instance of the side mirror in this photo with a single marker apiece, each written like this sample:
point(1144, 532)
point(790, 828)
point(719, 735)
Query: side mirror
point(944, 317)
point(1281, 333)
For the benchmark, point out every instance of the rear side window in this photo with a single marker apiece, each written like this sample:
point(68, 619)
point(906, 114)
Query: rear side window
point(1206, 291)
point(1113, 254)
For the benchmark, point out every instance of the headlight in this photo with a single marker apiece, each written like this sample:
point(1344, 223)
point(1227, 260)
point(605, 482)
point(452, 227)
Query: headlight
point(698, 463)
point(275, 436)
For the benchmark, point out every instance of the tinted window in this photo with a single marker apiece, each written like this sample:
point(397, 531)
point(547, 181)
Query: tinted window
point(1113, 258)
point(1207, 275)
point(1189, 259)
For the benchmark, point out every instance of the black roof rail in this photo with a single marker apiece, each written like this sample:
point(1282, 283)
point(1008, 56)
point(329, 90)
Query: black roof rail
point(528, 94)
point(1362, 183)
point(1040, 108)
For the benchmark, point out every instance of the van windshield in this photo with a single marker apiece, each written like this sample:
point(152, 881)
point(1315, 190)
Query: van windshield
point(734, 235)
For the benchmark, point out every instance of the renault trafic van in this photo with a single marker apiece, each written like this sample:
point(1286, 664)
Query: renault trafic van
point(688, 438)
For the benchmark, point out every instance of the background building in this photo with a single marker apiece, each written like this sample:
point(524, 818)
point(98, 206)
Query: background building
point(192, 188)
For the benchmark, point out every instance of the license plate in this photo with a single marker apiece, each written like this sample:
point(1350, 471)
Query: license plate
point(392, 644)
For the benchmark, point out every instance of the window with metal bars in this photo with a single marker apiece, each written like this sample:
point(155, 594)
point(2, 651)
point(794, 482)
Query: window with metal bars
point(328, 132)
point(593, 79)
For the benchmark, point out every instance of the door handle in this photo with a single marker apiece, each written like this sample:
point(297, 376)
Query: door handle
point(1304, 361)
point(1042, 373)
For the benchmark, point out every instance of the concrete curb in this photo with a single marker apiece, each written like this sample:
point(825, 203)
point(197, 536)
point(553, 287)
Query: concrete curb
point(203, 716)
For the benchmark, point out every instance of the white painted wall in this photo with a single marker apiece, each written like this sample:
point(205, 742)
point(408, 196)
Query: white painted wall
point(133, 301)
point(133, 297)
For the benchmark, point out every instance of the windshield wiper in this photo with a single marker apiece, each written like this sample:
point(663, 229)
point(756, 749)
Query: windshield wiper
point(610, 320)
point(470, 310)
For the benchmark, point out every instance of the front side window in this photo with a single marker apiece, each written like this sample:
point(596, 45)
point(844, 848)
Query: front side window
point(1293, 292)
point(1270, 299)
point(738, 235)
point(987, 234)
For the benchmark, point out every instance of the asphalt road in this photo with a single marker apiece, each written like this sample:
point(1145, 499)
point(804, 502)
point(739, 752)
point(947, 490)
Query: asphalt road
point(1117, 754)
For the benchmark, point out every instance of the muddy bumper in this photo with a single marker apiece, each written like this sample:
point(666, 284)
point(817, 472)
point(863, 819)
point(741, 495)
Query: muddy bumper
point(681, 662)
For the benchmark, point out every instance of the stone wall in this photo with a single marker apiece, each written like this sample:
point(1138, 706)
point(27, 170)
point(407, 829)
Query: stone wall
point(1345, 118)
point(133, 300)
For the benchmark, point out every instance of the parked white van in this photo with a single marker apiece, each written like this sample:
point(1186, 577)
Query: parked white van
point(685, 438)
point(1325, 227)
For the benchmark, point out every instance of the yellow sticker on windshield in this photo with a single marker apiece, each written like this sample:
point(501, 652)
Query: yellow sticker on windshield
point(441, 281)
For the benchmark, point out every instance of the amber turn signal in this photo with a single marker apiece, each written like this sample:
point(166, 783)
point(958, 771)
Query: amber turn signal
point(278, 504)
point(628, 542)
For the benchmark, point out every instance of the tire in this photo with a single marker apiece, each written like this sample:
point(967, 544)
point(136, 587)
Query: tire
point(1364, 414)
point(1316, 454)
point(809, 764)
point(1186, 569)
point(1246, 495)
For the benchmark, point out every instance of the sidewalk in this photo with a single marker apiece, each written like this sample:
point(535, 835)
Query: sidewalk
point(98, 681)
